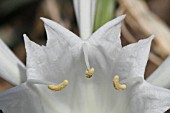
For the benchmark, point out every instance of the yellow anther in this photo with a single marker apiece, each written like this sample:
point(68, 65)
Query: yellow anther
point(89, 73)
point(59, 86)
point(117, 85)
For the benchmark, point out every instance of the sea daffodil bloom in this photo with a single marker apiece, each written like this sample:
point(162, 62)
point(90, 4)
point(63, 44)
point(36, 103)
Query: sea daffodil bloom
point(66, 57)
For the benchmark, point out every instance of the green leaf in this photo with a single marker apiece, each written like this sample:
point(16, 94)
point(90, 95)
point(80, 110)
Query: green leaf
point(104, 12)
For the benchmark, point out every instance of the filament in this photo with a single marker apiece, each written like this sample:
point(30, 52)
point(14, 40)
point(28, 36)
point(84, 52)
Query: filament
point(90, 70)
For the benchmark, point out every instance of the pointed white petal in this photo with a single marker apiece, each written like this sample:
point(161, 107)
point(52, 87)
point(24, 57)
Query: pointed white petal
point(34, 58)
point(85, 12)
point(161, 77)
point(107, 41)
point(108, 35)
point(146, 98)
point(51, 63)
point(110, 27)
point(20, 99)
point(55, 64)
point(11, 68)
point(132, 59)
point(59, 34)
point(31, 48)
point(30, 45)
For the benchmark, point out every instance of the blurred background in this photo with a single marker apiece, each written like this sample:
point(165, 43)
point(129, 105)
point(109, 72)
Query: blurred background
point(144, 17)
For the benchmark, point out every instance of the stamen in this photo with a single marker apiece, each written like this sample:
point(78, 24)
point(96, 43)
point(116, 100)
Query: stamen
point(50, 85)
point(90, 71)
point(59, 86)
point(117, 84)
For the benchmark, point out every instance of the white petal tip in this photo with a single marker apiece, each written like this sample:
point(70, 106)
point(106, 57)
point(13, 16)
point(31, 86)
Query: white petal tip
point(26, 39)
point(43, 19)
point(27, 42)
point(152, 37)
point(118, 20)
point(47, 21)
point(25, 36)
point(121, 18)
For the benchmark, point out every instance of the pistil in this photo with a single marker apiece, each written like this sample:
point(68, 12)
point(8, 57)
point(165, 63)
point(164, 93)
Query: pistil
point(90, 70)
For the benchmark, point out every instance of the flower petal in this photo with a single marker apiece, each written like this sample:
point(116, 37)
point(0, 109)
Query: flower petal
point(55, 64)
point(58, 34)
point(20, 99)
point(50, 64)
point(105, 43)
point(47, 63)
point(146, 98)
point(32, 50)
point(160, 77)
point(108, 30)
point(11, 68)
point(85, 12)
point(132, 59)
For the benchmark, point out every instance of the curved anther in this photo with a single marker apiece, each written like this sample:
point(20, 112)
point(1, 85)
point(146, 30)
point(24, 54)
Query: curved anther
point(50, 85)
point(90, 71)
point(117, 84)
point(59, 86)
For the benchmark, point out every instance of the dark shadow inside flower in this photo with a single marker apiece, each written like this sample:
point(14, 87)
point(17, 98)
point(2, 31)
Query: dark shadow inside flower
point(168, 111)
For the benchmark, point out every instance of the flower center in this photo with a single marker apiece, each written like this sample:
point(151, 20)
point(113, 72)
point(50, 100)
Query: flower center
point(50, 85)
point(90, 70)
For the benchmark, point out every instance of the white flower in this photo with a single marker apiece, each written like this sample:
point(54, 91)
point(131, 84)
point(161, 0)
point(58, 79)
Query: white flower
point(63, 58)
point(66, 57)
